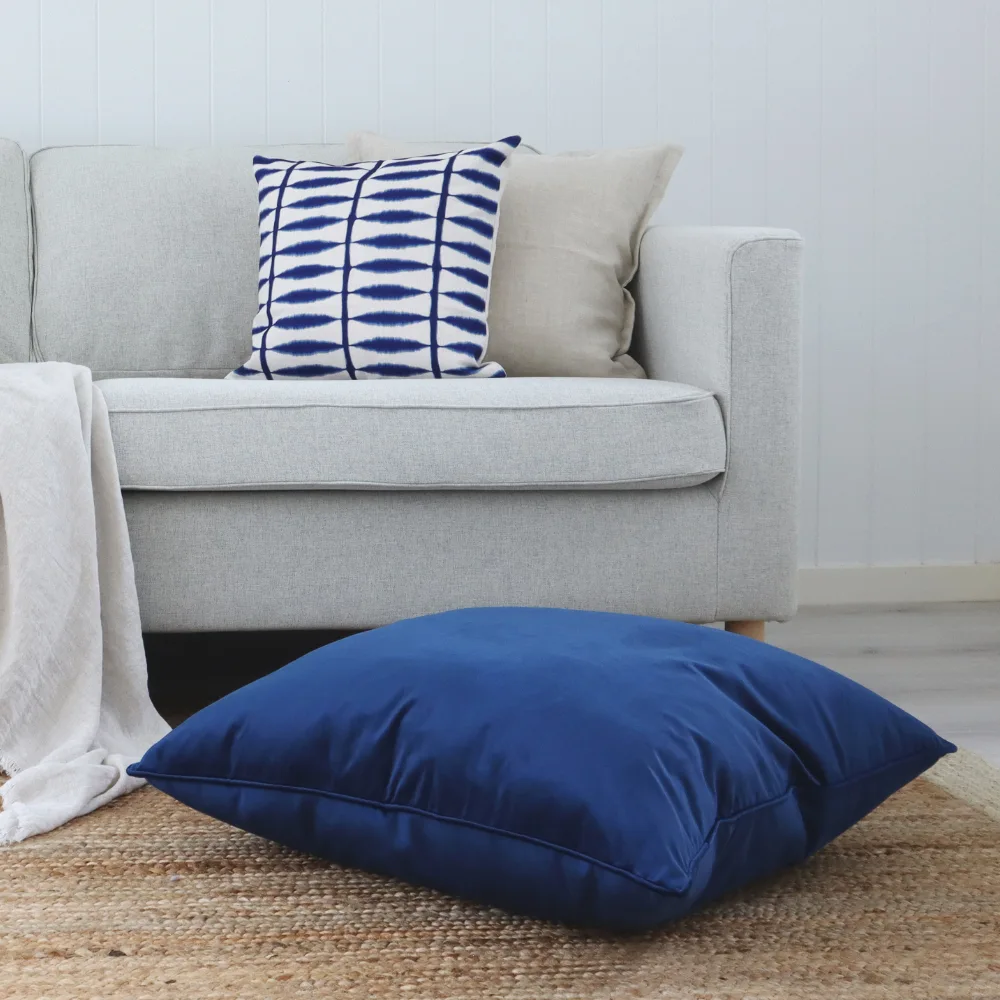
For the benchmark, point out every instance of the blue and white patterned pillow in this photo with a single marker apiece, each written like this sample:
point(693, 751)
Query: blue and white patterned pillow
point(379, 269)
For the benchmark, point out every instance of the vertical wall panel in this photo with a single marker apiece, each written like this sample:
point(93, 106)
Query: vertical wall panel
point(239, 72)
point(987, 488)
point(631, 65)
point(20, 73)
point(462, 80)
point(69, 72)
point(183, 110)
point(794, 143)
point(408, 84)
point(900, 329)
point(739, 93)
point(954, 276)
point(847, 290)
point(520, 61)
point(351, 56)
point(295, 71)
point(685, 107)
point(125, 71)
point(575, 74)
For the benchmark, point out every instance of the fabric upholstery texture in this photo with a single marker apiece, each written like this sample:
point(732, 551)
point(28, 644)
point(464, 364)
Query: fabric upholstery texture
point(346, 559)
point(199, 434)
point(15, 255)
point(601, 770)
point(720, 308)
point(568, 244)
point(377, 270)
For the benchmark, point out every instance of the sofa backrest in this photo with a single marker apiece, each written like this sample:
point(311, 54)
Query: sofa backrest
point(15, 255)
point(146, 259)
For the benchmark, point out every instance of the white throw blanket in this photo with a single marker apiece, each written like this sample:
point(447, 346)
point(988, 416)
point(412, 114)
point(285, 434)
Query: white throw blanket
point(74, 707)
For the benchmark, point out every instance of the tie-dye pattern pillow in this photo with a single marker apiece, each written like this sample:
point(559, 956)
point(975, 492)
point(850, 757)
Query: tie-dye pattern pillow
point(379, 269)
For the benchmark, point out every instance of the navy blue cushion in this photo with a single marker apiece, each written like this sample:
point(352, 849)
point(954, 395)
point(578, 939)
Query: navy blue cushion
point(591, 768)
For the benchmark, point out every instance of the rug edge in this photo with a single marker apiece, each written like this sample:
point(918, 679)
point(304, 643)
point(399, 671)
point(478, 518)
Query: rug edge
point(970, 778)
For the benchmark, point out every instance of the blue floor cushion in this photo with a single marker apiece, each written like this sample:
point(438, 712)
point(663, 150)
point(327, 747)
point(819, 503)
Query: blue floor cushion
point(598, 769)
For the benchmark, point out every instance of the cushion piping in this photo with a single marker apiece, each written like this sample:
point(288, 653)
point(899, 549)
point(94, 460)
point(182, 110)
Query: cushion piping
point(408, 406)
point(853, 779)
point(413, 810)
point(499, 486)
point(135, 771)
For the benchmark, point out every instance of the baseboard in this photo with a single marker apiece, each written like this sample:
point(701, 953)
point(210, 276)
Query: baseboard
point(898, 584)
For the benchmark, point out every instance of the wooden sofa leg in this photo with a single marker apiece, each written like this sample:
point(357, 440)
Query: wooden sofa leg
point(751, 629)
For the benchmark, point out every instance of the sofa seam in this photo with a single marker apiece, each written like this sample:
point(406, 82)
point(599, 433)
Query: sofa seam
point(37, 351)
point(792, 789)
point(110, 374)
point(414, 811)
point(29, 220)
point(265, 406)
point(416, 487)
point(720, 495)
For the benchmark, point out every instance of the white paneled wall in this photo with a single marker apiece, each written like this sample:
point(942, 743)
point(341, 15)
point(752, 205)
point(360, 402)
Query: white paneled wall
point(871, 126)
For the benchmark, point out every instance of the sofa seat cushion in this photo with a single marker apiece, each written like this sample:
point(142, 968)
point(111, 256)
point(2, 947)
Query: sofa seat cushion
point(531, 433)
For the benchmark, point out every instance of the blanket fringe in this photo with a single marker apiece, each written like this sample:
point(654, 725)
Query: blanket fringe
point(9, 767)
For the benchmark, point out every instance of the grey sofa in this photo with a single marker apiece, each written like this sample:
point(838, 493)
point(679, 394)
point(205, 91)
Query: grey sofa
point(347, 504)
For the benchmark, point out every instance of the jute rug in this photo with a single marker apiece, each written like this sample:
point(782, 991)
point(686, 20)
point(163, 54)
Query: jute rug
point(148, 899)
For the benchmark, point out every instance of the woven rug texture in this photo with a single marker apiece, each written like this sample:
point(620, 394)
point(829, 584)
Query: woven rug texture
point(148, 899)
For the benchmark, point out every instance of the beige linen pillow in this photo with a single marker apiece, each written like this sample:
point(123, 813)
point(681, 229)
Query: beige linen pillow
point(567, 245)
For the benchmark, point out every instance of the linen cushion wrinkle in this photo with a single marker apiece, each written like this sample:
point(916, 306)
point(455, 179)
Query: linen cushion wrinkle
point(377, 269)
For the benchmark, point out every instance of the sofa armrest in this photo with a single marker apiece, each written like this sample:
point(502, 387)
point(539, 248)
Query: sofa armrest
point(720, 308)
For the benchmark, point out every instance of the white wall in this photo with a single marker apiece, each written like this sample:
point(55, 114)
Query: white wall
point(871, 127)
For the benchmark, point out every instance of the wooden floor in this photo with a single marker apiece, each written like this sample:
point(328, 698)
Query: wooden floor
point(941, 661)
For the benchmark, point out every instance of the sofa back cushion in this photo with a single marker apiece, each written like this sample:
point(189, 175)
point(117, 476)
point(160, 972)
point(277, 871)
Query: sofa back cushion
point(147, 257)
